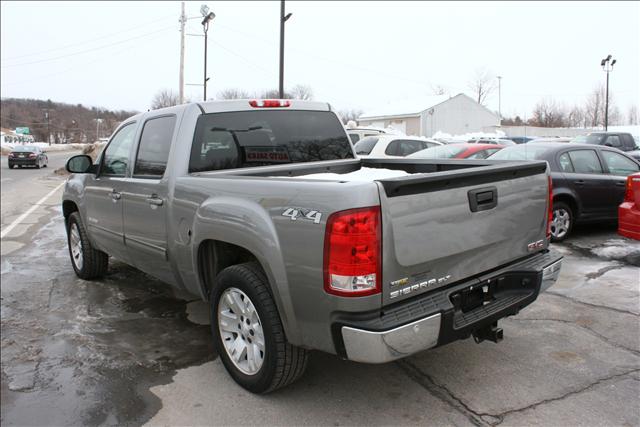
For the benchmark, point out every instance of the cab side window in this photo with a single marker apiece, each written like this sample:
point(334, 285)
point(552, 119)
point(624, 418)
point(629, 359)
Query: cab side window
point(613, 141)
point(585, 161)
point(153, 151)
point(116, 156)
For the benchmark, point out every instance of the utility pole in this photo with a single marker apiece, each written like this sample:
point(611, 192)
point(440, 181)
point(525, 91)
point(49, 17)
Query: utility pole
point(283, 19)
point(183, 20)
point(500, 98)
point(46, 116)
point(607, 67)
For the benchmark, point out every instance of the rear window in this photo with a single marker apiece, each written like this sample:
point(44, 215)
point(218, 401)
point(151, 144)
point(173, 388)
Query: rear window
point(260, 138)
point(25, 149)
point(594, 138)
point(520, 152)
point(438, 152)
point(365, 145)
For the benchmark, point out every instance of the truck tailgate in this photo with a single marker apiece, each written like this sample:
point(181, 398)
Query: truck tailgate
point(443, 227)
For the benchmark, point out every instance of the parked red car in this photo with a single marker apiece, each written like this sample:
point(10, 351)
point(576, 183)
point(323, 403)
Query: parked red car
point(629, 210)
point(457, 151)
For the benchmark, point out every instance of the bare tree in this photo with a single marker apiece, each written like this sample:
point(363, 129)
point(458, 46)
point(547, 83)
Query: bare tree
point(483, 84)
point(272, 94)
point(633, 118)
point(576, 117)
point(350, 115)
point(164, 98)
point(438, 90)
point(548, 114)
point(233, 93)
point(301, 92)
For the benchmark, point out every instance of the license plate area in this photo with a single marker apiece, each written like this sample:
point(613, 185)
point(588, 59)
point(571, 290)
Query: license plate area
point(481, 300)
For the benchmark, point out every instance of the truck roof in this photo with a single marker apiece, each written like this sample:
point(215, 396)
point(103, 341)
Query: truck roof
point(243, 105)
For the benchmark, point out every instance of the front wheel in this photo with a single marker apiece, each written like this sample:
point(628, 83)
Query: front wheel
point(248, 334)
point(88, 263)
point(562, 221)
point(11, 166)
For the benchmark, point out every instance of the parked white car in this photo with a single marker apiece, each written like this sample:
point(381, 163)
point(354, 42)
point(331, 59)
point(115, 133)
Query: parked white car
point(392, 145)
point(357, 133)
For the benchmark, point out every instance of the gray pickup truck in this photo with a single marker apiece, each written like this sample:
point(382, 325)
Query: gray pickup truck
point(261, 208)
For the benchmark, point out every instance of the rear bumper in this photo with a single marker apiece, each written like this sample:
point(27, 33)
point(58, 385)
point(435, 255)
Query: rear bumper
point(436, 318)
point(629, 221)
point(22, 162)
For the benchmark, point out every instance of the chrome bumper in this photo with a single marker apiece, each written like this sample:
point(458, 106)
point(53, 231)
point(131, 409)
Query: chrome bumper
point(381, 347)
point(550, 275)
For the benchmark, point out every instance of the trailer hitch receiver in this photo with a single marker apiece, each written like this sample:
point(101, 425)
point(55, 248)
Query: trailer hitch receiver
point(490, 333)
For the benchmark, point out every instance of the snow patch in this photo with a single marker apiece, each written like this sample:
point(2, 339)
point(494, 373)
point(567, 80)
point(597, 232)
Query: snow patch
point(617, 249)
point(361, 175)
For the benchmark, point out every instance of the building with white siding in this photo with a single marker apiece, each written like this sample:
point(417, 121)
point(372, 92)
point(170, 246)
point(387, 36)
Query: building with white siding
point(454, 115)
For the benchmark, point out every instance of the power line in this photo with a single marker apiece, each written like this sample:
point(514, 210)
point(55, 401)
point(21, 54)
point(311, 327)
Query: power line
point(74, 68)
point(88, 50)
point(86, 41)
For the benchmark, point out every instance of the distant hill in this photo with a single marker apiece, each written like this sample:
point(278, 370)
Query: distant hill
point(67, 122)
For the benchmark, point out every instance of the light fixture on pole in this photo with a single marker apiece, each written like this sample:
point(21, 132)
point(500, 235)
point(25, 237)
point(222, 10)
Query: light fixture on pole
point(607, 65)
point(206, 18)
point(283, 18)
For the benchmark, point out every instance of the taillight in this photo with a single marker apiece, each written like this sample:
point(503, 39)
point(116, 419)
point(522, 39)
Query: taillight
point(628, 192)
point(550, 208)
point(32, 156)
point(352, 259)
point(11, 155)
point(269, 103)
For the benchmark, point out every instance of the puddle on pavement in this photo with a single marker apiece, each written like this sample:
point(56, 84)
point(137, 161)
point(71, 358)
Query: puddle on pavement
point(81, 352)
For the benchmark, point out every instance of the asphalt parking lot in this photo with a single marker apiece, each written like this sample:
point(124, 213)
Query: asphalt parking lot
point(126, 350)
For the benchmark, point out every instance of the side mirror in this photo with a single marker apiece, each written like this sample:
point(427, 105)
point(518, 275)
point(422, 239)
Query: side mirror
point(80, 164)
point(608, 144)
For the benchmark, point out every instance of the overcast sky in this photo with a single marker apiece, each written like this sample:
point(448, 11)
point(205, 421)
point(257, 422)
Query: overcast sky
point(352, 54)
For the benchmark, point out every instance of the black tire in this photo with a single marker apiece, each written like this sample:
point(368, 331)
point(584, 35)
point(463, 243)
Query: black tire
point(37, 165)
point(95, 263)
point(562, 208)
point(11, 166)
point(283, 363)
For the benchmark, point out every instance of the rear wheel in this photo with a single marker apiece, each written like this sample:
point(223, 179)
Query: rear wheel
point(562, 221)
point(11, 166)
point(88, 263)
point(248, 334)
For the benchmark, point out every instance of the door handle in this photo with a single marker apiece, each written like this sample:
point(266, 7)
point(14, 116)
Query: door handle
point(621, 183)
point(115, 195)
point(154, 200)
point(579, 182)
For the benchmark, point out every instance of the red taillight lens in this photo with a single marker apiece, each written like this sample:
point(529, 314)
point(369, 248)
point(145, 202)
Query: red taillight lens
point(32, 156)
point(352, 259)
point(269, 103)
point(628, 191)
point(550, 208)
point(11, 155)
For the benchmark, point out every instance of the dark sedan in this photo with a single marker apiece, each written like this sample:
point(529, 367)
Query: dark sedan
point(27, 155)
point(588, 180)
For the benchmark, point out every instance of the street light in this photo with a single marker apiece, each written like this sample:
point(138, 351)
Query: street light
point(283, 18)
point(206, 18)
point(607, 65)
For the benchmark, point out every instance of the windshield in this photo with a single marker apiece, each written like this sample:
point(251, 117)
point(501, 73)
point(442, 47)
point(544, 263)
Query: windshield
point(519, 152)
point(25, 149)
point(439, 152)
point(365, 145)
point(259, 138)
point(593, 138)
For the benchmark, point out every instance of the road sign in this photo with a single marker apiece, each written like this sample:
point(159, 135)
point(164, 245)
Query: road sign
point(23, 131)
